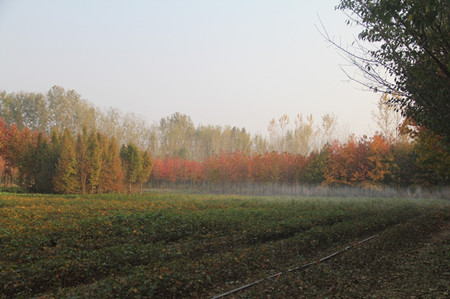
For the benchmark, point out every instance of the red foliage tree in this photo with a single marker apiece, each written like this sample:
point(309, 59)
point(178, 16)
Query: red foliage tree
point(347, 164)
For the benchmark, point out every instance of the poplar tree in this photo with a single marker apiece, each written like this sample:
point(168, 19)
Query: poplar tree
point(111, 177)
point(95, 163)
point(66, 180)
point(27, 158)
point(146, 169)
point(82, 159)
point(132, 164)
point(45, 166)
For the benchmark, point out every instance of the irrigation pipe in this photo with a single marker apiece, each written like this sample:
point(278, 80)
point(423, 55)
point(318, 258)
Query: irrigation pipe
point(293, 269)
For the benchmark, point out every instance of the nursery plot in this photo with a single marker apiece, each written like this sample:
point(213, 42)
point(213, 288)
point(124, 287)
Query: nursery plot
point(183, 245)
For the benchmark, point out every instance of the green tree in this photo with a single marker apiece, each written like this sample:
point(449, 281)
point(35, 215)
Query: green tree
point(404, 168)
point(316, 165)
point(132, 165)
point(146, 169)
point(82, 159)
point(24, 109)
point(66, 109)
point(95, 162)
point(45, 165)
point(111, 176)
point(411, 55)
point(176, 134)
point(66, 179)
point(27, 160)
point(207, 142)
point(432, 159)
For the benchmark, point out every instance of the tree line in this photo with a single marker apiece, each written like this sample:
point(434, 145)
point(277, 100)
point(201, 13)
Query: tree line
point(362, 162)
point(90, 163)
point(175, 135)
point(98, 152)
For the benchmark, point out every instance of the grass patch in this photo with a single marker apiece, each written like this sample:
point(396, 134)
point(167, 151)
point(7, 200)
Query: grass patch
point(182, 245)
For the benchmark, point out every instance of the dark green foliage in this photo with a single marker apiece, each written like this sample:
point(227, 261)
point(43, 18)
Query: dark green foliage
point(132, 165)
point(432, 159)
point(147, 165)
point(412, 38)
point(404, 169)
point(45, 166)
point(95, 162)
point(27, 165)
point(82, 159)
point(314, 172)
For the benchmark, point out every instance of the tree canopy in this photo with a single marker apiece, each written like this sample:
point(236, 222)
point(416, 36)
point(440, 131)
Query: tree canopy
point(403, 49)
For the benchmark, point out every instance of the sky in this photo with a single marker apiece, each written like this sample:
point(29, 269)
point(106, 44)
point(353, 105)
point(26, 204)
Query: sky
point(222, 62)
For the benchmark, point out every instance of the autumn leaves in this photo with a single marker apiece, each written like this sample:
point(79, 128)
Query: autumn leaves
point(90, 163)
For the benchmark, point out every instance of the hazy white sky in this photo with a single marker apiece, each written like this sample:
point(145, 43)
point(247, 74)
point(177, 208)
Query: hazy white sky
point(225, 62)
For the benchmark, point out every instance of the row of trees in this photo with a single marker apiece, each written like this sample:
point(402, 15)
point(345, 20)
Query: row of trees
point(90, 163)
point(172, 136)
point(298, 151)
point(66, 109)
point(175, 135)
point(357, 162)
point(93, 163)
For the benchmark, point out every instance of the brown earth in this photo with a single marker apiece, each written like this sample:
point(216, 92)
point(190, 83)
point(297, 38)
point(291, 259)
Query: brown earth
point(409, 260)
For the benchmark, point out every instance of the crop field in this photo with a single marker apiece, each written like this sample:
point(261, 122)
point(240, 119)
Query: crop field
point(179, 245)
